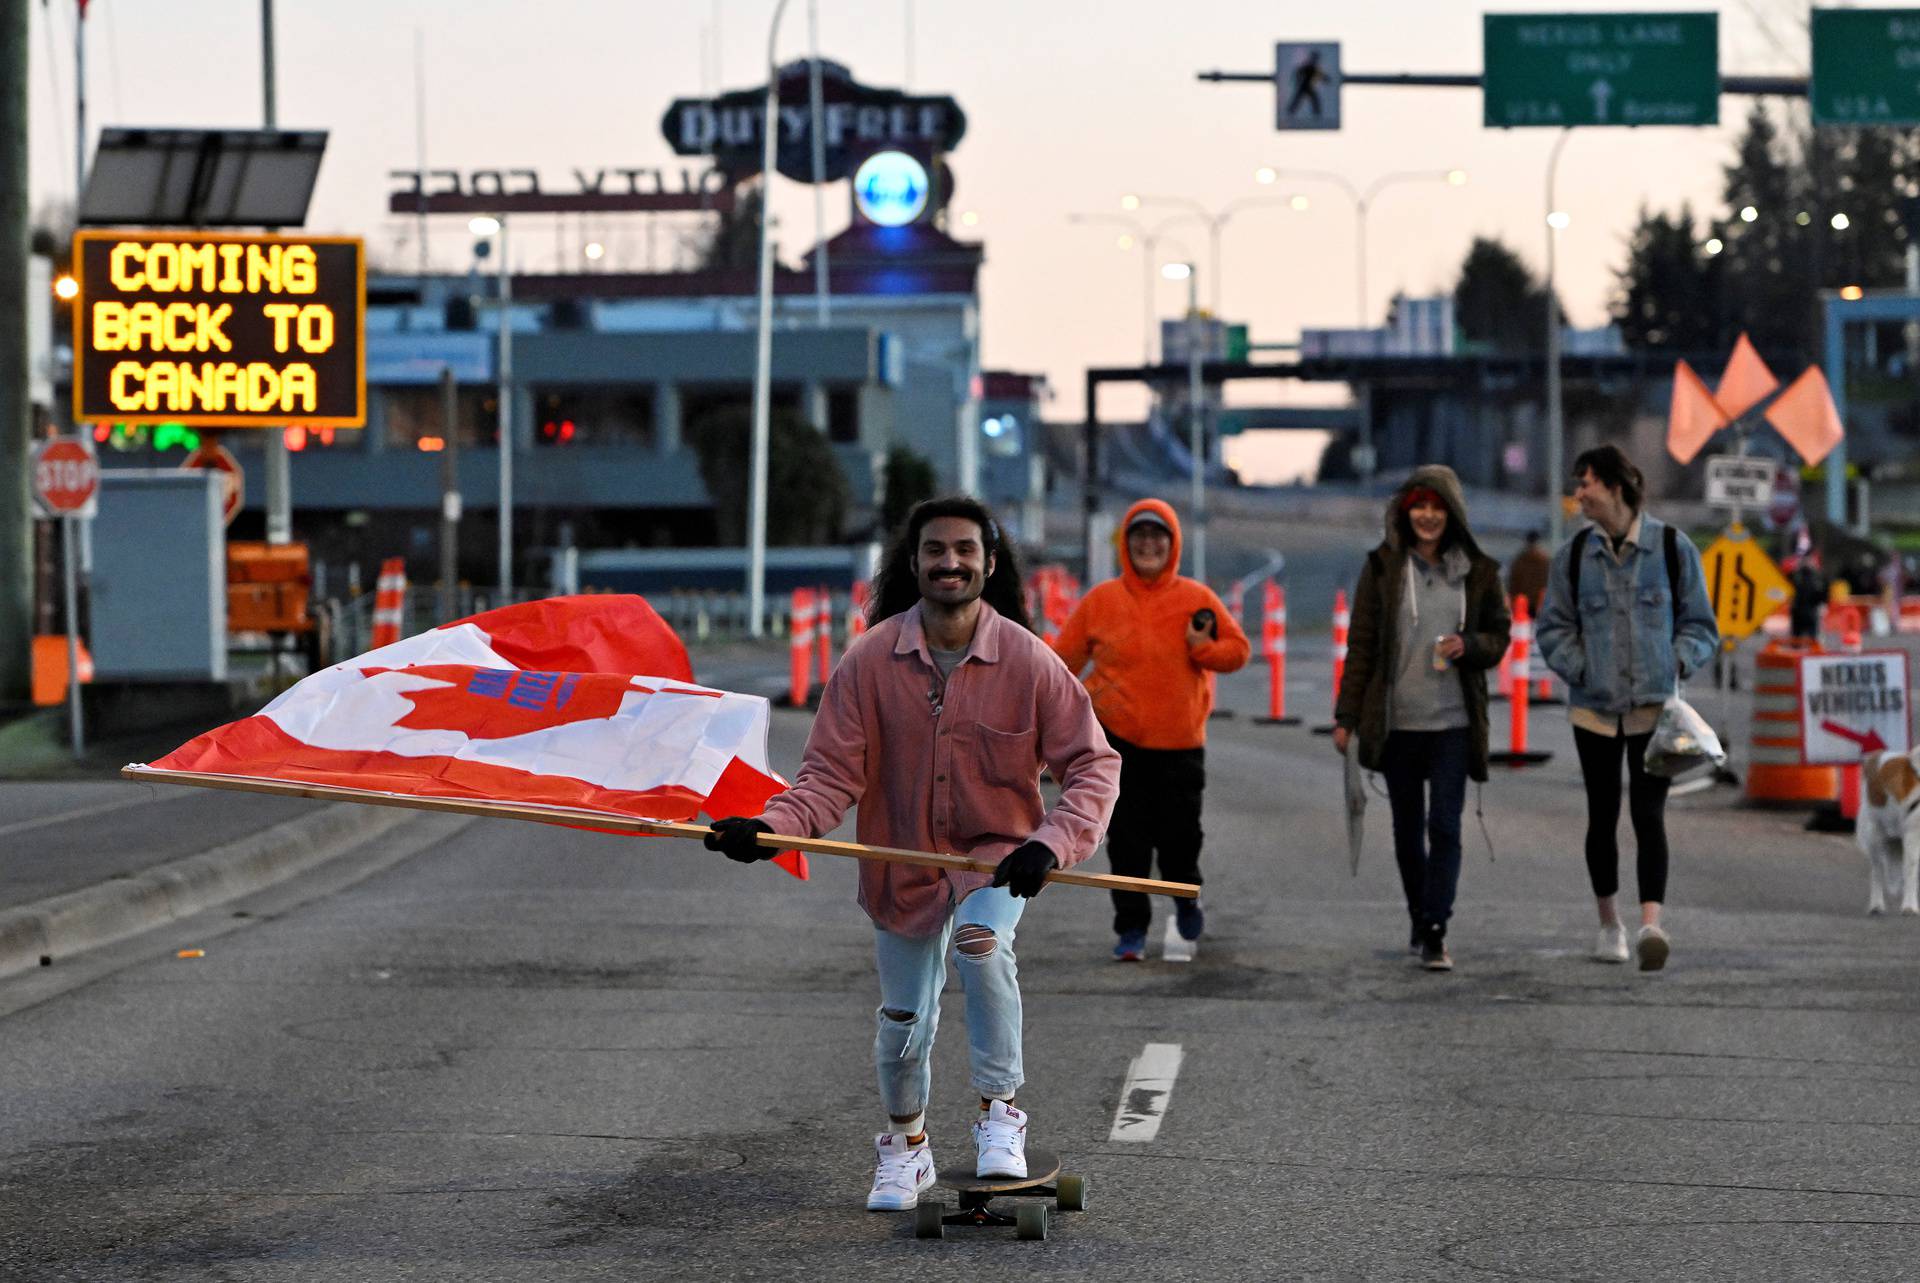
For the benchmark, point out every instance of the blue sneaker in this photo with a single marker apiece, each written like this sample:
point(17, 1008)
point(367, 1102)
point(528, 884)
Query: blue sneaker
point(1132, 947)
point(1189, 918)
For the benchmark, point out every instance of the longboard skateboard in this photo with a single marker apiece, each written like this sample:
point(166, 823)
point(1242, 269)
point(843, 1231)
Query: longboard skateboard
point(976, 1195)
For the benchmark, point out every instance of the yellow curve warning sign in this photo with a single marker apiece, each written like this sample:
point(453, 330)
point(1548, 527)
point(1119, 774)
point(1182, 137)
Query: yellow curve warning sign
point(1743, 582)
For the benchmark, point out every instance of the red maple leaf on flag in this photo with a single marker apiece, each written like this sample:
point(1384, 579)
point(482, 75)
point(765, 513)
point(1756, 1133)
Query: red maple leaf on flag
point(498, 703)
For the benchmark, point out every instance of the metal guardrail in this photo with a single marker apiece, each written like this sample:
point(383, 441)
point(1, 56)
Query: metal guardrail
point(698, 616)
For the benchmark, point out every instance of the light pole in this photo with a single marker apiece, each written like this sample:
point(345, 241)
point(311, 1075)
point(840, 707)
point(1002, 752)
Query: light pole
point(1556, 428)
point(1149, 239)
point(763, 351)
point(278, 469)
point(819, 141)
point(1216, 222)
point(1362, 204)
point(1196, 433)
point(495, 227)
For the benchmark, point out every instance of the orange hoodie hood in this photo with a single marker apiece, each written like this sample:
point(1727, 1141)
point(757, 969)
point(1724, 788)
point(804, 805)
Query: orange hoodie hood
point(1150, 686)
point(1163, 510)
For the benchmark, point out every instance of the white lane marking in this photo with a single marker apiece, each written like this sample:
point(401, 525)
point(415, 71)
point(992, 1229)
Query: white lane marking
point(1175, 948)
point(85, 812)
point(1149, 1085)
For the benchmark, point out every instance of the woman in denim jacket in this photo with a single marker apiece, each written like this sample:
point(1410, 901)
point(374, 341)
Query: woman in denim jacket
point(1641, 626)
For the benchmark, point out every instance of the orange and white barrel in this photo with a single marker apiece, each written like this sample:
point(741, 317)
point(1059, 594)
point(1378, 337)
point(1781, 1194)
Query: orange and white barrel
point(1776, 769)
point(390, 602)
point(800, 648)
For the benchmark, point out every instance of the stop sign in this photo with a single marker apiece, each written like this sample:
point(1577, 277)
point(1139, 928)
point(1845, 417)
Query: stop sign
point(217, 458)
point(66, 477)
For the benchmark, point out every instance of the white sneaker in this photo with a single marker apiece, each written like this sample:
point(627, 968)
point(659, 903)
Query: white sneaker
point(1000, 1138)
point(902, 1171)
point(1654, 947)
point(1612, 944)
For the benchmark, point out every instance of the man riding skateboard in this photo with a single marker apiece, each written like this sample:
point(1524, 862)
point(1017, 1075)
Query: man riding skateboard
point(936, 725)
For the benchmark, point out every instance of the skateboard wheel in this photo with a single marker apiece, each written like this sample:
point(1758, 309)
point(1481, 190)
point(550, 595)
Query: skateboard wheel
point(1030, 1221)
point(1071, 1193)
point(929, 1221)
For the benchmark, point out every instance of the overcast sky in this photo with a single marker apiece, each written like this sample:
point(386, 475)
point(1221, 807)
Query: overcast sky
point(1071, 104)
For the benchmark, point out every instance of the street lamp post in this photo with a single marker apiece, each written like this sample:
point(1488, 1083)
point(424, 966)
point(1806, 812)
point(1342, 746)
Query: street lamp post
point(494, 226)
point(1362, 205)
point(1196, 428)
point(1149, 239)
point(1556, 427)
point(763, 352)
point(1216, 223)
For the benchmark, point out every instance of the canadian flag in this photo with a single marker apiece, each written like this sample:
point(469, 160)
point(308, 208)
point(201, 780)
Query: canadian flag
point(575, 703)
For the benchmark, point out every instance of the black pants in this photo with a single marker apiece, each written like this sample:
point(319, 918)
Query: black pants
point(1158, 812)
point(1646, 803)
point(1426, 830)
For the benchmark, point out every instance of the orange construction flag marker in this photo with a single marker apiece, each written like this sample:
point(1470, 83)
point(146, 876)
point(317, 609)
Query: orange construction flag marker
point(1805, 415)
point(1693, 417)
point(1745, 383)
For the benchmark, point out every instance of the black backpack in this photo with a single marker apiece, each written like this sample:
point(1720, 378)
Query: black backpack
point(1579, 555)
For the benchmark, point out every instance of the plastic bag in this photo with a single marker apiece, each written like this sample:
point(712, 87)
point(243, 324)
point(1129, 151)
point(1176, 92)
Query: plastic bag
point(1682, 742)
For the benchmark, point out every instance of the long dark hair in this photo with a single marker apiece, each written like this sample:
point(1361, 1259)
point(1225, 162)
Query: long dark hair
point(896, 588)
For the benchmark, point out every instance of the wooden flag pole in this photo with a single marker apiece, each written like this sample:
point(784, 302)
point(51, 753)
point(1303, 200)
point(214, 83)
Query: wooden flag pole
point(629, 824)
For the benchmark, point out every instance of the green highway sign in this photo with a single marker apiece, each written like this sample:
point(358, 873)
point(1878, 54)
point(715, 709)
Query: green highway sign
point(1563, 69)
point(1866, 67)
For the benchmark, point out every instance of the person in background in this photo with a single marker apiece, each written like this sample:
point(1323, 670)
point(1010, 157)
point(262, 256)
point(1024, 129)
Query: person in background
point(1527, 574)
point(1156, 639)
point(1627, 619)
point(1429, 620)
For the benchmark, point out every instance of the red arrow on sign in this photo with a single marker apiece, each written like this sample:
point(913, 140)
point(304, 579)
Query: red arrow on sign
point(1869, 743)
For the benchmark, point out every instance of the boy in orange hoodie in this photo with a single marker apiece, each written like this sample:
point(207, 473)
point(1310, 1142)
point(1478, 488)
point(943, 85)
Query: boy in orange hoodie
point(1155, 638)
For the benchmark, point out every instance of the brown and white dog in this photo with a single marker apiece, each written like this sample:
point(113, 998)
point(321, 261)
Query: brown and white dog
point(1888, 831)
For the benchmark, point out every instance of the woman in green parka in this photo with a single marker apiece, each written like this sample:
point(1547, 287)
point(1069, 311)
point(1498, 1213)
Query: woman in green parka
point(1429, 620)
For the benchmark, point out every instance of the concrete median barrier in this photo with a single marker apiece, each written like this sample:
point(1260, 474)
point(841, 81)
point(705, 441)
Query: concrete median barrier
point(62, 926)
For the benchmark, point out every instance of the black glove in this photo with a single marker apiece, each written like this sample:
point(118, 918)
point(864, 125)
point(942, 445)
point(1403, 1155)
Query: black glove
point(1025, 868)
point(734, 838)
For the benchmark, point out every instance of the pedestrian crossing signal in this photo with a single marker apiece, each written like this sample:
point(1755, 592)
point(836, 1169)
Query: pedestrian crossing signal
point(1306, 81)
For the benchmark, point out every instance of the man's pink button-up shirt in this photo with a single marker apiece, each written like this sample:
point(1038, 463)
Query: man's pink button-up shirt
point(955, 772)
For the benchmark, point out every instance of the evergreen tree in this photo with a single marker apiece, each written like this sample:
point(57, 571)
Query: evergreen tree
point(1768, 279)
point(909, 478)
point(733, 240)
point(1766, 265)
point(1498, 304)
point(807, 494)
point(1668, 293)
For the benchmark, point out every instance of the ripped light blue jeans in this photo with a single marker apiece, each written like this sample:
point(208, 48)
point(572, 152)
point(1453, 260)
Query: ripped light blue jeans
point(913, 971)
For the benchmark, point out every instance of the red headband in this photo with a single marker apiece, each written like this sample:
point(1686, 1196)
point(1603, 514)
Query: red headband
point(1419, 495)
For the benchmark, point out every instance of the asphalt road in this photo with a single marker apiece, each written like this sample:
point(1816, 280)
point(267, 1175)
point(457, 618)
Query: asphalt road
point(535, 1054)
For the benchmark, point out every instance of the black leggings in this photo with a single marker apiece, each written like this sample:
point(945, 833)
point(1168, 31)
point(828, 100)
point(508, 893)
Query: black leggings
point(1646, 803)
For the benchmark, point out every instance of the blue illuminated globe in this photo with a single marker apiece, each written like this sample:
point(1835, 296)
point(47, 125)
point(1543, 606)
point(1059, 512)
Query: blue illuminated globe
point(891, 189)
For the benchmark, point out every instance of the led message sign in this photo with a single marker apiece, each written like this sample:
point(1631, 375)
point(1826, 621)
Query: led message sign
point(219, 331)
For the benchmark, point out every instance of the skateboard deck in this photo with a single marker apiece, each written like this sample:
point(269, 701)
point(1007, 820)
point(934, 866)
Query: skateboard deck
point(976, 1194)
point(1042, 1166)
